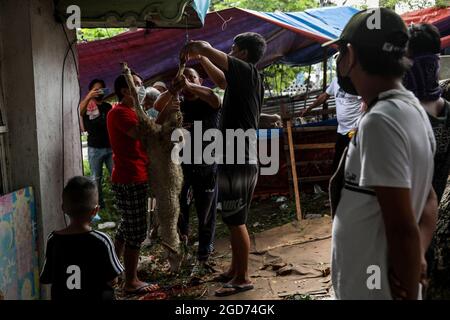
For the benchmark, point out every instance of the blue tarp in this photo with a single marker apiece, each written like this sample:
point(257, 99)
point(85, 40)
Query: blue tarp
point(201, 7)
point(321, 24)
point(292, 38)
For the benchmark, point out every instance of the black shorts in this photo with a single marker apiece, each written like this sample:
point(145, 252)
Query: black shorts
point(236, 186)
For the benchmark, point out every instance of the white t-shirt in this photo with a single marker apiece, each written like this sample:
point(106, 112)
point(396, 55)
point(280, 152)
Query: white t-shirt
point(348, 107)
point(394, 147)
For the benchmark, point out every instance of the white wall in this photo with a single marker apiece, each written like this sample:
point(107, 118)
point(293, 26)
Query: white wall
point(34, 46)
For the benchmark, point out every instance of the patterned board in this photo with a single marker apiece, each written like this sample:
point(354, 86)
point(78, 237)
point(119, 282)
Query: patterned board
point(19, 269)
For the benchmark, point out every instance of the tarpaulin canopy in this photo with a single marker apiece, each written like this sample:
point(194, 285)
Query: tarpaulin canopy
point(445, 42)
point(440, 17)
point(292, 38)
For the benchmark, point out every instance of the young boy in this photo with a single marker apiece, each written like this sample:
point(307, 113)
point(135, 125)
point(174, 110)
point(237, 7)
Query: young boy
point(80, 263)
point(200, 104)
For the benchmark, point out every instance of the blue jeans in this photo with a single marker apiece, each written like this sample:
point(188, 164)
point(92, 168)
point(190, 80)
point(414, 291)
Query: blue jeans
point(98, 157)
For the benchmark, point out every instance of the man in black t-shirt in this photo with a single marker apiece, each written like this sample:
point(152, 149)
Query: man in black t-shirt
point(93, 112)
point(200, 105)
point(80, 263)
point(244, 93)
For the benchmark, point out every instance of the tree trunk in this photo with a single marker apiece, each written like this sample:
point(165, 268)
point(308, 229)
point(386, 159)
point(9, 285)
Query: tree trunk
point(439, 253)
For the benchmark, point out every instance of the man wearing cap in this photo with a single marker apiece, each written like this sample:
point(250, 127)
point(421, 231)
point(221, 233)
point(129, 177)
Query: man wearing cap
point(381, 222)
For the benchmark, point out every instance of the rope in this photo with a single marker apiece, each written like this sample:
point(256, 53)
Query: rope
point(225, 22)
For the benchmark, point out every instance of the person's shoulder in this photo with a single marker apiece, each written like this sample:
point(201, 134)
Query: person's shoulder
point(390, 106)
point(101, 238)
point(240, 64)
point(381, 114)
point(119, 110)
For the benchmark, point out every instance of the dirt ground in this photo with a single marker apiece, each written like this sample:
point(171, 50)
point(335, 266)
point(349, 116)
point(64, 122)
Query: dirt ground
point(287, 262)
point(289, 259)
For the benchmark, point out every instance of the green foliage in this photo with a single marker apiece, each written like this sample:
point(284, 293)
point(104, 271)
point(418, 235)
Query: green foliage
point(98, 33)
point(266, 5)
point(86, 168)
point(278, 77)
point(412, 4)
point(110, 212)
point(442, 3)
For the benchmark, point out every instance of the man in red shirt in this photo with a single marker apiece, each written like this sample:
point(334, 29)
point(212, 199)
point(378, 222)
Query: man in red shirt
point(129, 183)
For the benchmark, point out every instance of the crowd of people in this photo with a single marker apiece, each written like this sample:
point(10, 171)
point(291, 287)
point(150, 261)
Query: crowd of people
point(112, 131)
point(392, 163)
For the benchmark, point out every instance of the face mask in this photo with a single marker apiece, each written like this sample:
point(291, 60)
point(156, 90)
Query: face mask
point(141, 94)
point(345, 82)
point(423, 78)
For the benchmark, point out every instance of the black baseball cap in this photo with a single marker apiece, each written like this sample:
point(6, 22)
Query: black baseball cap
point(378, 28)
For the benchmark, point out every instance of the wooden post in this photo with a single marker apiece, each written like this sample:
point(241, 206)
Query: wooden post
point(298, 209)
point(325, 60)
point(324, 83)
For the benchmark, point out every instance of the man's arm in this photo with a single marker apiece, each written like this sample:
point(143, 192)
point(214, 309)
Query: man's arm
point(172, 106)
point(320, 100)
point(270, 120)
point(204, 93)
point(84, 103)
point(217, 58)
point(427, 226)
point(403, 238)
point(214, 73)
point(427, 223)
point(162, 101)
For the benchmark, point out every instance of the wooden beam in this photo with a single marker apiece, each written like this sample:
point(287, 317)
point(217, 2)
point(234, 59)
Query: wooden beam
point(312, 162)
point(312, 146)
point(298, 209)
point(314, 129)
point(314, 179)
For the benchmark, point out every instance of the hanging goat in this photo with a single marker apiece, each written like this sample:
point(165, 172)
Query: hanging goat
point(165, 176)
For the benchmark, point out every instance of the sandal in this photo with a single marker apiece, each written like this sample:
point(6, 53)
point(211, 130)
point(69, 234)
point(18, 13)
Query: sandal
point(145, 289)
point(233, 289)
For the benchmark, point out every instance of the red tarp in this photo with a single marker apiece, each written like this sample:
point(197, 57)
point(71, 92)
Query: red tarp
point(429, 15)
point(445, 42)
point(440, 17)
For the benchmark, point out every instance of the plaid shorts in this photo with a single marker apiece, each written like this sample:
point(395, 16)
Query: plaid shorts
point(131, 201)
